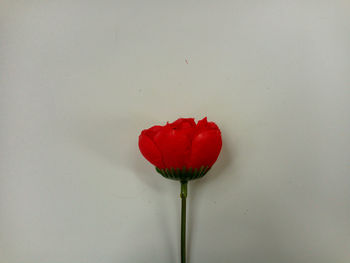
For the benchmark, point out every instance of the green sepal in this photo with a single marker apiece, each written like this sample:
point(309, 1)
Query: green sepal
point(184, 174)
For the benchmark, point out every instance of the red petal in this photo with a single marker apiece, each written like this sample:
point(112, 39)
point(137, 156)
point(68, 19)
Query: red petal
point(206, 148)
point(186, 125)
point(174, 145)
point(202, 123)
point(205, 125)
point(183, 123)
point(150, 151)
point(151, 132)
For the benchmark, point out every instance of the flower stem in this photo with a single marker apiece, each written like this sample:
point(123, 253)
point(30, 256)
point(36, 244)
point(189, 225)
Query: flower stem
point(183, 196)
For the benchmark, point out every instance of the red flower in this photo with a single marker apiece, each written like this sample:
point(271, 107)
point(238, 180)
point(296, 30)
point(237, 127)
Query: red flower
point(182, 143)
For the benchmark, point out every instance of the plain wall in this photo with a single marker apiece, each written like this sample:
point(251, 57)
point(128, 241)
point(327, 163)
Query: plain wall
point(79, 80)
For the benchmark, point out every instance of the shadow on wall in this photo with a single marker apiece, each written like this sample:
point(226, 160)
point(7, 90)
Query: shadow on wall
point(115, 140)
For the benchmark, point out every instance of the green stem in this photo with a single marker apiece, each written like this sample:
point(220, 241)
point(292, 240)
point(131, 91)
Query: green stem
point(183, 196)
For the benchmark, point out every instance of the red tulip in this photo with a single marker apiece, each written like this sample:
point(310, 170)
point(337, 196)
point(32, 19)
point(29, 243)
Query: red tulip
point(182, 143)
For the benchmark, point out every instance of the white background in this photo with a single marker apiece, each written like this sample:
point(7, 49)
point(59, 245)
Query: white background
point(79, 80)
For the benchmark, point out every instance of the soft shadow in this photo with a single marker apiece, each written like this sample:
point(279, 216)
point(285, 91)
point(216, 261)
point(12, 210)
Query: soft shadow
point(104, 136)
point(115, 140)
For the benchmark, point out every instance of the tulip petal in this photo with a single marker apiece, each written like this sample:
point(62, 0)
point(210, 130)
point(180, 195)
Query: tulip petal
point(206, 147)
point(174, 145)
point(150, 151)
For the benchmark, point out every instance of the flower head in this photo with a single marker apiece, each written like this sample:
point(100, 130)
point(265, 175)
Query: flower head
point(182, 144)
